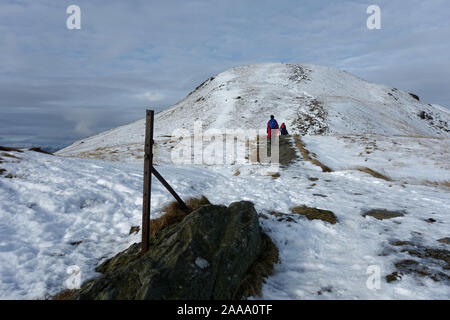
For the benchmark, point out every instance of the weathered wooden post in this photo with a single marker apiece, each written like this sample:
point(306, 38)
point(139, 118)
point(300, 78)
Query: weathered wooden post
point(148, 171)
point(148, 165)
point(169, 188)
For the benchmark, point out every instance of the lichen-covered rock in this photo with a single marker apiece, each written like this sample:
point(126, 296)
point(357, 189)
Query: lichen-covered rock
point(205, 256)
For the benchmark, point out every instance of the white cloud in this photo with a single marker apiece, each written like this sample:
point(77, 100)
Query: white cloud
point(150, 96)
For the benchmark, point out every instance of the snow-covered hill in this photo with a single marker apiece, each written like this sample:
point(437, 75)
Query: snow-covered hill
point(309, 99)
point(384, 149)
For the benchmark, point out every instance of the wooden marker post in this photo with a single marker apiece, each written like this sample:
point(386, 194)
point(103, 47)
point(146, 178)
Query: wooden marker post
point(148, 165)
point(169, 188)
point(148, 171)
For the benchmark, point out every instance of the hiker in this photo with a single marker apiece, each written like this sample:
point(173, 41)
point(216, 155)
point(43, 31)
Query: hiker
point(271, 125)
point(284, 131)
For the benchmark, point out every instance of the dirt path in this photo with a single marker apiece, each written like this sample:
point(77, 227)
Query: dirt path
point(288, 154)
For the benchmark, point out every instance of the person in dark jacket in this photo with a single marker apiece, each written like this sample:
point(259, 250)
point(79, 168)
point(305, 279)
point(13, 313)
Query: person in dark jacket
point(272, 125)
point(284, 131)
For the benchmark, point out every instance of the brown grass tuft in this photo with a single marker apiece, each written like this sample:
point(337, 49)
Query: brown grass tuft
point(306, 154)
point(445, 183)
point(382, 214)
point(174, 213)
point(374, 173)
point(263, 267)
point(315, 214)
point(237, 172)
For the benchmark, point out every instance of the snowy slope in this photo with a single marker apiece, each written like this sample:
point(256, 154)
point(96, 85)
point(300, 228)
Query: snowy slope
point(405, 159)
point(309, 99)
point(58, 212)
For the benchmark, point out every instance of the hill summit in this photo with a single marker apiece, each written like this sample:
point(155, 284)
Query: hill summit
point(310, 99)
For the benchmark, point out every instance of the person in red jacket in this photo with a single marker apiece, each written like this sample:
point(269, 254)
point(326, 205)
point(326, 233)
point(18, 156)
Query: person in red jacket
point(283, 129)
point(272, 125)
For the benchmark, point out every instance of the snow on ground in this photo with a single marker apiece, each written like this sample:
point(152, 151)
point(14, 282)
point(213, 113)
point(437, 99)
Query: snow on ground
point(53, 201)
point(418, 160)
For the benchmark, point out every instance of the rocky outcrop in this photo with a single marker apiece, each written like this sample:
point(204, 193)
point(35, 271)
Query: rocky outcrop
point(415, 96)
point(207, 255)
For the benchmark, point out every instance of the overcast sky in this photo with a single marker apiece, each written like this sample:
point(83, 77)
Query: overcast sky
point(59, 85)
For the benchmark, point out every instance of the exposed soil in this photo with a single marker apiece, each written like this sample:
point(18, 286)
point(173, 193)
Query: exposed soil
point(374, 173)
point(316, 214)
point(382, 214)
point(287, 152)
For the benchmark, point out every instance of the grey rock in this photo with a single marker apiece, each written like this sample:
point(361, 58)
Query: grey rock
point(205, 256)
